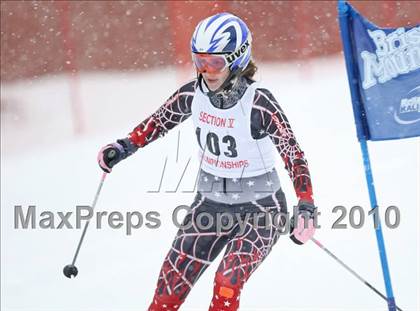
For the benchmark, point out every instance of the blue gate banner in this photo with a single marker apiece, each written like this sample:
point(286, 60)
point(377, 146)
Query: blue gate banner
point(386, 65)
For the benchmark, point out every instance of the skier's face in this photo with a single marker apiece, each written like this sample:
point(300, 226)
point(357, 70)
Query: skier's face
point(215, 80)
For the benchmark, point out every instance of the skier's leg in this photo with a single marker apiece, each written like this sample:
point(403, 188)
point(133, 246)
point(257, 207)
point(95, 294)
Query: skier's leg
point(191, 253)
point(244, 253)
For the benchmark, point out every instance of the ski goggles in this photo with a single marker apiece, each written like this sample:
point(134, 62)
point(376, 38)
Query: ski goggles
point(211, 63)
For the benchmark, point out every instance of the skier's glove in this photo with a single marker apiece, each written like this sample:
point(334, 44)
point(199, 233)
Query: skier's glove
point(300, 232)
point(113, 153)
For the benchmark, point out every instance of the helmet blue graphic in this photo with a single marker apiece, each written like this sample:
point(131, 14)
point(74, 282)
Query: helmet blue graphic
point(226, 34)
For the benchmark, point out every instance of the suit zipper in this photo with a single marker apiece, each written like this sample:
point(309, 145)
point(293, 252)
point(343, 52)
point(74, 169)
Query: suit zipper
point(224, 185)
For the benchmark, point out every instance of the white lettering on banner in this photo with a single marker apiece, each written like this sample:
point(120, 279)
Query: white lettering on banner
point(409, 112)
point(410, 105)
point(396, 53)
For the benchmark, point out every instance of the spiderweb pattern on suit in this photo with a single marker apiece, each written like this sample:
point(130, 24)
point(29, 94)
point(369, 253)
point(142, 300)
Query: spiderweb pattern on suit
point(173, 112)
point(194, 249)
point(276, 125)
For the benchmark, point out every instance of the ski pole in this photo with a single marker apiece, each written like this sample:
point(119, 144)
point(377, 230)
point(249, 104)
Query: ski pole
point(71, 270)
point(350, 270)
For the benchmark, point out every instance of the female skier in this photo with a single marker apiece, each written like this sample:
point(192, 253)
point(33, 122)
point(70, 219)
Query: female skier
point(239, 127)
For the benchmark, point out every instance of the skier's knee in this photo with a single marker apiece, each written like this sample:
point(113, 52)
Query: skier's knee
point(226, 293)
point(165, 303)
point(225, 287)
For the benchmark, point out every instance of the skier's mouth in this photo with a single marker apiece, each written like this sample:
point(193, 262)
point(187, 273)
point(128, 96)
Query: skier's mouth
point(213, 83)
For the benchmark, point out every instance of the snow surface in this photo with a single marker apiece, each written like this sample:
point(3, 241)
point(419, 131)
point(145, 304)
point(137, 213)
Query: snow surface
point(45, 164)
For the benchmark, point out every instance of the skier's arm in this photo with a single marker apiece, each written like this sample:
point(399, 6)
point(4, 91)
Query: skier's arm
point(269, 119)
point(175, 110)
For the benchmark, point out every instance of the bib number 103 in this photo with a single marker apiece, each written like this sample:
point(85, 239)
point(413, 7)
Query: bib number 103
point(213, 144)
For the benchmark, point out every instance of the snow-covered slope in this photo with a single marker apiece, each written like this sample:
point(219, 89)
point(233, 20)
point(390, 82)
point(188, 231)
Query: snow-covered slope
point(45, 164)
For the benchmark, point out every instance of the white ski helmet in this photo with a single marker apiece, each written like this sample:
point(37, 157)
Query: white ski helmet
point(224, 34)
